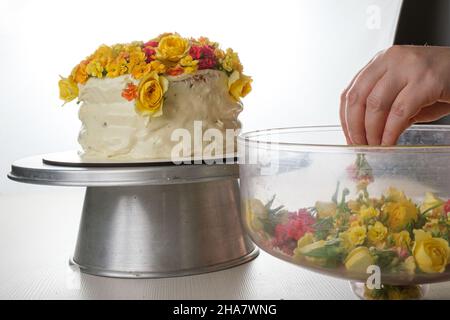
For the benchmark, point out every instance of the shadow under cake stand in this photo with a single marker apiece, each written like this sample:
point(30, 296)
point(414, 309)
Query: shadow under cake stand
point(149, 220)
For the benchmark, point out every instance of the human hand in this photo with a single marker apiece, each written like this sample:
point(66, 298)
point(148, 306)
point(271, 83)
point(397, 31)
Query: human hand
point(398, 87)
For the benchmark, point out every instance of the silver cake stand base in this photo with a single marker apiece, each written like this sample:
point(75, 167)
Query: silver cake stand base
point(150, 221)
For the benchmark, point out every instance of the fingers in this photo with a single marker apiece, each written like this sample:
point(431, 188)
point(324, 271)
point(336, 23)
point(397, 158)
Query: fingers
point(343, 99)
point(432, 113)
point(355, 107)
point(378, 105)
point(406, 106)
point(342, 110)
point(342, 116)
point(400, 86)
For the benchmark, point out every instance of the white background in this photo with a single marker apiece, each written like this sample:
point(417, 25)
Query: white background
point(301, 55)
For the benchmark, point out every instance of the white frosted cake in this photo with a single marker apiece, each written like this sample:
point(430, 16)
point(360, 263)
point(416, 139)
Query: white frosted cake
point(140, 100)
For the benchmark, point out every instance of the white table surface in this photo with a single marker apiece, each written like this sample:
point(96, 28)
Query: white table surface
point(37, 237)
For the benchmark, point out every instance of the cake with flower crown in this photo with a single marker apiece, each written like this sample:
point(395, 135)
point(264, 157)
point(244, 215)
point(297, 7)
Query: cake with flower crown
point(137, 100)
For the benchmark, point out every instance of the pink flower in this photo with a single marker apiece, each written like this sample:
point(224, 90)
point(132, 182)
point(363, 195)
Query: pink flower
point(287, 234)
point(205, 55)
point(153, 44)
point(402, 253)
point(447, 207)
point(195, 52)
point(352, 172)
point(149, 54)
point(208, 52)
point(207, 63)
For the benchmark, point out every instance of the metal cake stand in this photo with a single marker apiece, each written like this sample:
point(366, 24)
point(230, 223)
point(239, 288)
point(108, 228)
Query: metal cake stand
point(149, 220)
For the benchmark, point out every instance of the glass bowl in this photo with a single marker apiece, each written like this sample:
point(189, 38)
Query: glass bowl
point(378, 216)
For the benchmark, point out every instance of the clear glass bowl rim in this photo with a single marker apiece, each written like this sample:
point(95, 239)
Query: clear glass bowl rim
point(252, 138)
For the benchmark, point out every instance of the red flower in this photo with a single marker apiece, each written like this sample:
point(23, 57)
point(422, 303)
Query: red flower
point(447, 206)
point(149, 54)
point(196, 52)
point(207, 63)
point(153, 44)
point(287, 234)
point(205, 55)
point(175, 71)
point(208, 52)
point(130, 92)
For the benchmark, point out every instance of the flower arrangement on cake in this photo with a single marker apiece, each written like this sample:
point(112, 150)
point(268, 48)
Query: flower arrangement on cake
point(150, 64)
point(402, 237)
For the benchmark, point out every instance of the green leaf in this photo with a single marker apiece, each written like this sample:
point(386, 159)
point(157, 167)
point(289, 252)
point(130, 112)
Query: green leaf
point(384, 258)
point(276, 210)
point(332, 253)
point(335, 195)
point(270, 202)
point(322, 227)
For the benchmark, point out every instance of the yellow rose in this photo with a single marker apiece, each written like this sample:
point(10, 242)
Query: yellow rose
point(257, 208)
point(431, 254)
point(402, 239)
point(254, 210)
point(163, 35)
point(239, 85)
point(172, 48)
point(431, 201)
point(325, 209)
point(358, 260)
point(395, 195)
point(151, 92)
point(400, 214)
point(68, 89)
point(353, 237)
point(367, 213)
point(377, 233)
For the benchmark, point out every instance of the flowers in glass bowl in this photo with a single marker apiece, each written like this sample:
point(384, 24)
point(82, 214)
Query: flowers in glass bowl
point(349, 234)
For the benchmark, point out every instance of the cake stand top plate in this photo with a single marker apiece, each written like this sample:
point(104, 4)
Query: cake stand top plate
point(50, 169)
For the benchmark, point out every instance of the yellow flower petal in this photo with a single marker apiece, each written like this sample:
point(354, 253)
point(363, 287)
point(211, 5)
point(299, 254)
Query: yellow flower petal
point(431, 254)
point(68, 89)
point(358, 260)
point(151, 92)
point(172, 48)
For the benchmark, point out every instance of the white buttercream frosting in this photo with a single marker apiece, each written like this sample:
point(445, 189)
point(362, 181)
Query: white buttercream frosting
point(113, 129)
